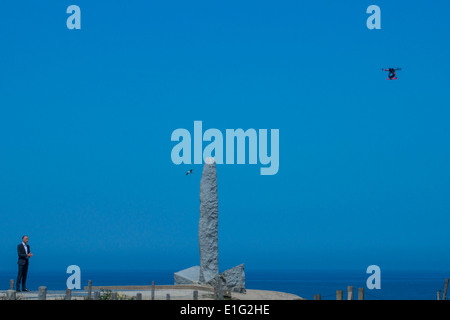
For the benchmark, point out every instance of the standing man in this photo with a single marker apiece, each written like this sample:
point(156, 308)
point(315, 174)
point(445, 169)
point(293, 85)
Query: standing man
point(23, 250)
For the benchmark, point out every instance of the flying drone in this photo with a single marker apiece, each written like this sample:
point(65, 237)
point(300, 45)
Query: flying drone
point(392, 75)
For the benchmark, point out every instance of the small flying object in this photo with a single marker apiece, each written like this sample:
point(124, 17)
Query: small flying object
point(190, 171)
point(392, 75)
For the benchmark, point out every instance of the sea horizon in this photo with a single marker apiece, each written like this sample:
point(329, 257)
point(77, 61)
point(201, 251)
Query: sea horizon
point(395, 284)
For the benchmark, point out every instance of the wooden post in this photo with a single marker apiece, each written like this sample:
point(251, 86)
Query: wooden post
point(360, 293)
point(97, 295)
point(89, 289)
point(11, 284)
point(317, 297)
point(42, 293)
point(11, 295)
point(167, 296)
point(153, 290)
point(138, 296)
point(68, 294)
point(195, 295)
point(349, 293)
point(444, 295)
point(438, 295)
point(339, 295)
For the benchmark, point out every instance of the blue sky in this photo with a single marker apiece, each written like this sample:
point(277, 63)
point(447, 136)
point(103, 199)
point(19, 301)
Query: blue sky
point(87, 115)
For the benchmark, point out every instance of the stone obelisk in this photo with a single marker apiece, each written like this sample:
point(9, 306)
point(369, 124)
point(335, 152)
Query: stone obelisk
point(208, 225)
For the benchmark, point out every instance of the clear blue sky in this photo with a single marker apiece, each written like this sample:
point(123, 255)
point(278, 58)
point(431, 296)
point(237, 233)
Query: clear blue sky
point(87, 115)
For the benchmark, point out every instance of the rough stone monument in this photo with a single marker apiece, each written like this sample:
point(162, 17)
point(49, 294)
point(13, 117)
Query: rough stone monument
point(208, 272)
point(208, 227)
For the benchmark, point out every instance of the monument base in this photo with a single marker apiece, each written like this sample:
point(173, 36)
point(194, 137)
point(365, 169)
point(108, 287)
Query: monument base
point(187, 276)
point(232, 279)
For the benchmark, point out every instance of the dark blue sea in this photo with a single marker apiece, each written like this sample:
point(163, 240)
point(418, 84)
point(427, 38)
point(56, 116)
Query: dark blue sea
point(395, 285)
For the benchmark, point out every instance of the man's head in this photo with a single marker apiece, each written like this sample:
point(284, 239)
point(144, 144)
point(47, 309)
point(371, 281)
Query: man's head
point(25, 239)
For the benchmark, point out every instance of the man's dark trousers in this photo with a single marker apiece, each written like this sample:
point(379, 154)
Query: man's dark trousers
point(22, 275)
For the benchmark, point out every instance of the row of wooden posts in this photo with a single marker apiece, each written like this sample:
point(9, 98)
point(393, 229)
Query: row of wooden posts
point(340, 294)
point(42, 293)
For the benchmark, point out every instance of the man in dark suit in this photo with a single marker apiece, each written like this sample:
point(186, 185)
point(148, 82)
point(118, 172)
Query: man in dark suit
point(23, 250)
